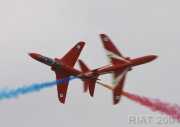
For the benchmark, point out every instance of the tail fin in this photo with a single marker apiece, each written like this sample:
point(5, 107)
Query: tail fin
point(84, 69)
point(88, 83)
point(91, 84)
point(83, 66)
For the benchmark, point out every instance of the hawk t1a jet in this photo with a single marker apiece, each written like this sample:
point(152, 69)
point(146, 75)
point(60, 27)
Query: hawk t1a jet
point(63, 67)
point(119, 66)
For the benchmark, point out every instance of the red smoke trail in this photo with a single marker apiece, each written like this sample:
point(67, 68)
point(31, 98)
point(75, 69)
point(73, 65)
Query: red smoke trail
point(156, 105)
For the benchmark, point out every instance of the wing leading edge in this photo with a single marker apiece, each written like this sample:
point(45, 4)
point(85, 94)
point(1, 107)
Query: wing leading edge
point(113, 53)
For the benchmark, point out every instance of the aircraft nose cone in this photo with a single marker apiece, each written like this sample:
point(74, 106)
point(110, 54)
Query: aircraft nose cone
point(153, 57)
point(102, 35)
point(34, 55)
point(104, 38)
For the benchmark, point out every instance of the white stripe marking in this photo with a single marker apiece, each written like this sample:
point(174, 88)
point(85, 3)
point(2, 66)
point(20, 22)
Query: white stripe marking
point(120, 77)
point(113, 55)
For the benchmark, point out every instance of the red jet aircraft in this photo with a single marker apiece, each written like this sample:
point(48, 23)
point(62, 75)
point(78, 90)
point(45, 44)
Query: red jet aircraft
point(63, 67)
point(119, 66)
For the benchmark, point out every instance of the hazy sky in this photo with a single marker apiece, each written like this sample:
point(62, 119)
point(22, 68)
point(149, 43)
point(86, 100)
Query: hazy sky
point(51, 27)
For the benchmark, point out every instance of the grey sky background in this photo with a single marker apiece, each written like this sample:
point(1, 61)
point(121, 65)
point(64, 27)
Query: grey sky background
point(52, 27)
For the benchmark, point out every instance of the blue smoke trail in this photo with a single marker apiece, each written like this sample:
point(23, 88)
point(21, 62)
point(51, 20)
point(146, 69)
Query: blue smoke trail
point(14, 93)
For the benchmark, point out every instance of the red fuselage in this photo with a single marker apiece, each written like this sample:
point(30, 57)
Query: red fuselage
point(54, 64)
point(115, 67)
point(59, 66)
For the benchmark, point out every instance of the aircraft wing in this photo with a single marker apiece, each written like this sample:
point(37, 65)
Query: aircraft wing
point(69, 59)
point(118, 89)
point(113, 53)
point(62, 88)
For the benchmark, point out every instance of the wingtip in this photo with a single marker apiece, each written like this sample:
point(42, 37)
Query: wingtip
point(92, 94)
point(62, 101)
point(116, 101)
point(103, 35)
point(104, 38)
point(82, 43)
